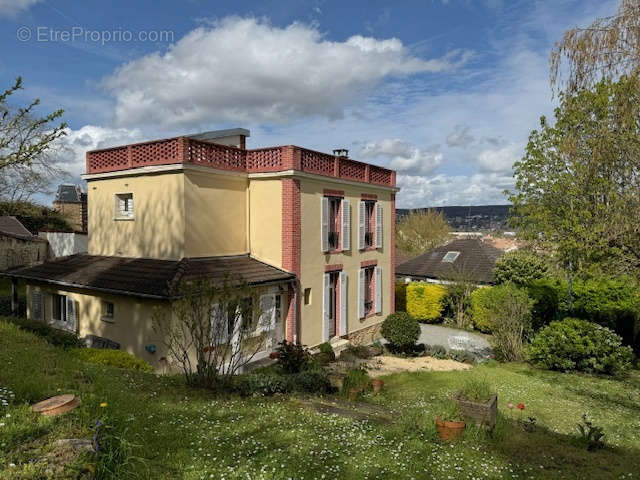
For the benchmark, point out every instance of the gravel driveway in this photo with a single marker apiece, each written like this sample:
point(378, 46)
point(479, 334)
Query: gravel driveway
point(454, 339)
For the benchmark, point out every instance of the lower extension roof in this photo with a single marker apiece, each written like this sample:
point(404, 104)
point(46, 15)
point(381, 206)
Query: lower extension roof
point(146, 277)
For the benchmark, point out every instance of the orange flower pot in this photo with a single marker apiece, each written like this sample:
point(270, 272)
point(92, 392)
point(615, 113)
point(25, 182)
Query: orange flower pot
point(449, 430)
point(377, 385)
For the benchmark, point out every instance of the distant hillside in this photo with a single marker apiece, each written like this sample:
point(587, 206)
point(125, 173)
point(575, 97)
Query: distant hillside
point(470, 218)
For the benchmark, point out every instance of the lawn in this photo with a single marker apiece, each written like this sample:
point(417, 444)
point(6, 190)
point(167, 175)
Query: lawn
point(155, 427)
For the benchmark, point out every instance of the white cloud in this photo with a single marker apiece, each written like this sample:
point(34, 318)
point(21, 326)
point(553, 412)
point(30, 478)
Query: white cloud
point(246, 70)
point(71, 148)
point(11, 8)
point(499, 160)
point(402, 156)
point(460, 137)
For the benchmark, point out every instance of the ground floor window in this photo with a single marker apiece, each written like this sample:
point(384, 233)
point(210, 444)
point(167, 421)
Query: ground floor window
point(369, 293)
point(59, 308)
point(108, 311)
point(333, 302)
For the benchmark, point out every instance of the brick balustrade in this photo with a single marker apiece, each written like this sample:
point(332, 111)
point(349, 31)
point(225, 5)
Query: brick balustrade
point(261, 160)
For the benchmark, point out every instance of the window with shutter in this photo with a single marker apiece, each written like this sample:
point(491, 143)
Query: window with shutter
point(267, 320)
point(361, 293)
point(325, 225)
point(36, 305)
point(71, 323)
point(378, 289)
point(219, 325)
point(343, 303)
point(326, 306)
point(58, 308)
point(346, 224)
point(362, 218)
point(379, 232)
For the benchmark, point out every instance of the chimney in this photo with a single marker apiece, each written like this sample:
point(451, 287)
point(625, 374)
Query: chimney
point(341, 152)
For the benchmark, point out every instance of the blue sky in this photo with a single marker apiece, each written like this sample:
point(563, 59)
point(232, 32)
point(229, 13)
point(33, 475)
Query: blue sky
point(445, 92)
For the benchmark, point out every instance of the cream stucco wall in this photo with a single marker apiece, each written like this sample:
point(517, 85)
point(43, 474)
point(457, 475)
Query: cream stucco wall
point(313, 260)
point(265, 220)
point(158, 227)
point(216, 214)
point(132, 326)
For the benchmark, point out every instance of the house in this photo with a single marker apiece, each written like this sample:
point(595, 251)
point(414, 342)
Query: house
point(468, 259)
point(313, 233)
point(18, 246)
point(71, 202)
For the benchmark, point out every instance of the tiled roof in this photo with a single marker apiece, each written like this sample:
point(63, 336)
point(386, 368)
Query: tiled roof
point(11, 226)
point(475, 262)
point(68, 194)
point(146, 277)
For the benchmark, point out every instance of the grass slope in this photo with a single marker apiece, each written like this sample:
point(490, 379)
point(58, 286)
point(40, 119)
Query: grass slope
point(155, 427)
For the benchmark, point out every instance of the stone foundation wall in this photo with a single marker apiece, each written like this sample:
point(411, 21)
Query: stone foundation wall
point(17, 253)
point(366, 336)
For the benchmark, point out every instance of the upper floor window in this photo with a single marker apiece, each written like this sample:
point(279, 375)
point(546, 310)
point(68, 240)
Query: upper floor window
point(124, 206)
point(335, 223)
point(370, 224)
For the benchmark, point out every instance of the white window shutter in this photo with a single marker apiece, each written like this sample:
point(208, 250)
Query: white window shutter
point(130, 212)
point(325, 308)
point(378, 288)
point(122, 206)
point(71, 315)
point(346, 224)
point(362, 218)
point(325, 224)
point(117, 211)
point(343, 303)
point(361, 295)
point(219, 328)
point(379, 231)
point(36, 305)
point(267, 321)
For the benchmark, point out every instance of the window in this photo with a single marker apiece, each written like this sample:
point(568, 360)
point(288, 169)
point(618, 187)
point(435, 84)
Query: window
point(307, 296)
point(124, 206)
point(368, 290)
point(450, 257)
point(59, 308)
point(36, 305)
point(369, 226)
point(332, 314)
point(334, 222)
point(107, 311)
point(335, 229)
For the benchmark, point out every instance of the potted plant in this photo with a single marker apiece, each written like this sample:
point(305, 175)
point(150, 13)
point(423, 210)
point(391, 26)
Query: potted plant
point(377, 385)
point(355, 382)
point(478, 402)
point(450, 421)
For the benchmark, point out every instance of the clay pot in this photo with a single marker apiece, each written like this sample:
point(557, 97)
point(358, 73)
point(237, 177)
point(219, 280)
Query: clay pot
point(353, 393)
point(377, 385)
point(448, 431)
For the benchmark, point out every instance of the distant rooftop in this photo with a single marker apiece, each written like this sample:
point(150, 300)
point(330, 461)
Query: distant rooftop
point(69, 193)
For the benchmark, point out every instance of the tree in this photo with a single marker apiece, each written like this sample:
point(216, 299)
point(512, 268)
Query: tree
point(213, 330)
point(578, 184)
point(520, 267)
point(420, 231)
point(35, 217)
point(608, 48)
point(26, 144)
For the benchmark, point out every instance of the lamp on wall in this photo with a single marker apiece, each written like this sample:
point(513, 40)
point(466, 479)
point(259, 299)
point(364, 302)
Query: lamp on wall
point(151, 348)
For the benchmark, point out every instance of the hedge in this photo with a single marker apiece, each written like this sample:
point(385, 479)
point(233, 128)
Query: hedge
point(114, 358)
point(480, 309)
point(401, 297)
point(425, 301)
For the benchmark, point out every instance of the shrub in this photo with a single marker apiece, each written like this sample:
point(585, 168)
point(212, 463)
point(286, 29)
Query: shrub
point(425, 301)
point(574, 344)
point(520, 267)
point(481, 300)
point(462, 356)
point(357, 378)
point(401, 330)
point(312, 380)
point(292, 357)
point(326, 348)
point(113, 358)
point(401, 297)
point(359, 351)
point(508, 310)
point(54, 336)
point(545, 294)
point(436, 351)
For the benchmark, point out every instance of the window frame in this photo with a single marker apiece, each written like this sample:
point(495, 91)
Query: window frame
point(369, 295)
point(129, 212)
point(335, 222)
point(369, 225)
point(62, 306)
point(104, 316)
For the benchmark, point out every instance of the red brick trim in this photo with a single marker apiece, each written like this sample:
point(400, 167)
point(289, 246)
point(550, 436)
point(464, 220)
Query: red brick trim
point(392, 247)
point(333, 193)
point(368, 263)
point(291, 246)
point(369, 196)
point(333, 268)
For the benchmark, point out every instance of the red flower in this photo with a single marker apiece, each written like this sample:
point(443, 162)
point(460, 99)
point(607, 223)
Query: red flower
point(274, 355)
point(520, 406)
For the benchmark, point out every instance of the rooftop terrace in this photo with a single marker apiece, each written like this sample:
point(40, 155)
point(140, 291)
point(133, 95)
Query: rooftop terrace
point(189, 150)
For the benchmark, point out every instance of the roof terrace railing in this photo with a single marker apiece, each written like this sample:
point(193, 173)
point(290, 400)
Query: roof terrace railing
point(262, 160)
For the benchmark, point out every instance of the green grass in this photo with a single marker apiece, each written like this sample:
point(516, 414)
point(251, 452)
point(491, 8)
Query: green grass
point(158, 428)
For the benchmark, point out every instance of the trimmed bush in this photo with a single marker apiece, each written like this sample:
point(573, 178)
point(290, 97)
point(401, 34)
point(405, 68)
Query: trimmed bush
point(113, 358)
point(401, 330)
point(574, 344)
point(54, 336)
point(545, 294)
point(520, 267)
point(425, 301)
point(481, 301)
point(401, 297)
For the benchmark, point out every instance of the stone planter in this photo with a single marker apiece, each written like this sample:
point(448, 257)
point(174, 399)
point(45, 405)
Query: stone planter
point(481, 413)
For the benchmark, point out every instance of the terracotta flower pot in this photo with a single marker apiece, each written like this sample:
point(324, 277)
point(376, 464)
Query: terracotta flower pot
point(353, 393)
point(377, 385)
point(449, 430)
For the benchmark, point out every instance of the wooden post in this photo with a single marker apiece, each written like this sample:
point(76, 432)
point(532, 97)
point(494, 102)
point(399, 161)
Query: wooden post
point(14, 297)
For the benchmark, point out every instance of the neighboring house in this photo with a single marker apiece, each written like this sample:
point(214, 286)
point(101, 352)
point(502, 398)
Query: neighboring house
point(62, 244)
point(71, 201)
point(312, 232)
point(468, 259)
point(18, 247)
